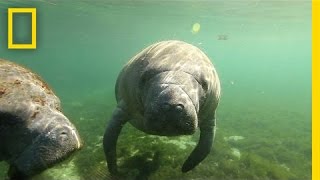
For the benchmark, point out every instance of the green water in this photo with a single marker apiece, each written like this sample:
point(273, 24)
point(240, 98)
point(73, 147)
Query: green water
point(264, 67)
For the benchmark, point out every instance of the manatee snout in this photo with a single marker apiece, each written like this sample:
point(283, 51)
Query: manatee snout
point(70, 136)
point(65, 134)
point(67, 138)
point(171, 113)
point(58, 141)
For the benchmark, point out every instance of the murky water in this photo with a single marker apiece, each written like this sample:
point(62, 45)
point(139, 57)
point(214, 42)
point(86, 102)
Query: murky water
point(261, 50)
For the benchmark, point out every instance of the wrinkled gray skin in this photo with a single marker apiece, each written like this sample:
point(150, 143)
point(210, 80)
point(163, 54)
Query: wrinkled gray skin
point(170, 88)
point(34, 134)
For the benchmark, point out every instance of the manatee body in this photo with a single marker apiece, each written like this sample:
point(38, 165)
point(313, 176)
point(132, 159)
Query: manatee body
point(34, 134)
point(170, 88)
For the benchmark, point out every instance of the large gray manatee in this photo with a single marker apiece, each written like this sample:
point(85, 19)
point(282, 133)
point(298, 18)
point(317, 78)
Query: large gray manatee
point(170, 88)
point(34, 134)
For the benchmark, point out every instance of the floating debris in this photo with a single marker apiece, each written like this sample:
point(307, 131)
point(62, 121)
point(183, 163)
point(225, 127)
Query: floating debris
point(195, 28)
point(222, 37)
point(285, 167)
point(233, 138)
point(236, 153)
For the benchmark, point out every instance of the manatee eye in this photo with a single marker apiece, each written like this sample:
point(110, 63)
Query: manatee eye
point(205, 85)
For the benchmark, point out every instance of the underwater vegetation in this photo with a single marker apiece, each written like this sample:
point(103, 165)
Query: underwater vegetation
point(241, 150)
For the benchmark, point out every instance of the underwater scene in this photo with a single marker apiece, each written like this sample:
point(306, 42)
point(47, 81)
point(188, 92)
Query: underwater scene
point(261, 50)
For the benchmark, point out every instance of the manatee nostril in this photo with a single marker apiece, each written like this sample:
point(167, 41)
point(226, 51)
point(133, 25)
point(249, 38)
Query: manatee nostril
point(176, 107)
point(179, 107)
point(63, 136)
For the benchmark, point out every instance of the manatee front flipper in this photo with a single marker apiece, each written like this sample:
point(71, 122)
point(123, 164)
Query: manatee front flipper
point(15, 174)
point(202, 149)
point(8, 122)
point(119, 118)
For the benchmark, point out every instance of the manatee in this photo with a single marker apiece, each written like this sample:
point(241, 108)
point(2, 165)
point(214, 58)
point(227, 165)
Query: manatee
point(170, 88)
point(34, 133)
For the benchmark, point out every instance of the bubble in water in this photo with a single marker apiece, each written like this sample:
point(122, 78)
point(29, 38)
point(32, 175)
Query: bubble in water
point(196, 28)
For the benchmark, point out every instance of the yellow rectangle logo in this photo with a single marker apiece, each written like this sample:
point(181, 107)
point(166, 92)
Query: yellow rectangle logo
point(33, 12)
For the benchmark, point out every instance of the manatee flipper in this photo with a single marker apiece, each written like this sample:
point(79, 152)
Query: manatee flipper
point(202, 149)
point(8, 121)
point(14, 174)
point(119, 118)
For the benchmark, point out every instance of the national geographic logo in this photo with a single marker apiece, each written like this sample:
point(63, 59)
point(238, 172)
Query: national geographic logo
point(33, 44)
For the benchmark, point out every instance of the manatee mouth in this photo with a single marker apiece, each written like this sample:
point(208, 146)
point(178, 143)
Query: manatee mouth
point(172, 127)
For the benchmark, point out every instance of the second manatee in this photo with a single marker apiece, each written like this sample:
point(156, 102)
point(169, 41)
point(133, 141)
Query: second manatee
point(34, 133)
